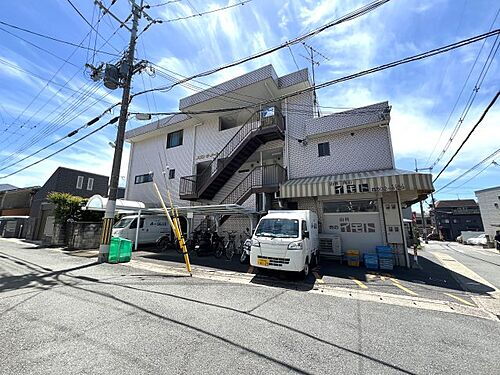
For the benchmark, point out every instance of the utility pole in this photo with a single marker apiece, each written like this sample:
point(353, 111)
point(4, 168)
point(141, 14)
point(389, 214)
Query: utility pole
point(422, 214)
point(109, 214)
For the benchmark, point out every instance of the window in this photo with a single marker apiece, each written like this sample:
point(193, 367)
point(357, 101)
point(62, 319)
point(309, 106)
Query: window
point(171, 173)
point(324, 149)
point(134, 224)
point(350, 206)
point(281, 228)
point(90, 184)
point(304, 226)
point(142, 178)
point(174, 139)
point(79, 182)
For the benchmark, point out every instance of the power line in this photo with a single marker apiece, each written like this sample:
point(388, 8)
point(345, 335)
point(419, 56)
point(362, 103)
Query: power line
point(468, 135)
point(199, 14)
point(352, 76)
point(378, 68)
point(38, 47)
point(70, 134)
point(470, 101)
point(462, 89)
point(55, 39)
point(490, 156)
point(91, 26)
point(293, 58)
point(348, 17)
point(44, 87)
point(112, 121)
point(57, 123)
point(452, 188)
point(162, 4)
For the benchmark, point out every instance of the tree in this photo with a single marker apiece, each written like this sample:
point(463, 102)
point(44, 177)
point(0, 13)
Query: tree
point(67, 206)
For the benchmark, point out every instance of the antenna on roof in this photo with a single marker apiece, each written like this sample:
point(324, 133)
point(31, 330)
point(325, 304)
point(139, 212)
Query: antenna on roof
point(311, 50)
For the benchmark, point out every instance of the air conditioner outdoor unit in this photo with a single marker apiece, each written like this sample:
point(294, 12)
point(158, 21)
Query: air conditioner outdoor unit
point(330, 245)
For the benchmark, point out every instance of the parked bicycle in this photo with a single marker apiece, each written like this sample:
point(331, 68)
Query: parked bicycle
point(166, 242)
point(229, 247)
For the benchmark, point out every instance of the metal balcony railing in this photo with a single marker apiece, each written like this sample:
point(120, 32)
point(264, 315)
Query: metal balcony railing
point(259, 178)
point(270, 116)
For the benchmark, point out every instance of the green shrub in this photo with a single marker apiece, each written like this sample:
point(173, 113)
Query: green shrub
point(67, 206)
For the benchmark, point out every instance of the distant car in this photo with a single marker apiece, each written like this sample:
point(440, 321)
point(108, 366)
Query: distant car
point(479, 240)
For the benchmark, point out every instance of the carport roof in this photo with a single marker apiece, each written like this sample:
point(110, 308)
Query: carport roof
point(216, 209)
point(98, 203)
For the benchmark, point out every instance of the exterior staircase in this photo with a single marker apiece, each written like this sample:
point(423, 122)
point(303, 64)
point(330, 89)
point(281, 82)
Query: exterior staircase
point(263, 126)
point(262, 179)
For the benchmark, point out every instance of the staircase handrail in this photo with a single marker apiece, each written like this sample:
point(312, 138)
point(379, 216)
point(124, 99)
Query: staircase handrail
point(256, 179)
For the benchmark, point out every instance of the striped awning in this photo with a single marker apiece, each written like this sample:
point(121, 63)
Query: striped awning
point(361, 182)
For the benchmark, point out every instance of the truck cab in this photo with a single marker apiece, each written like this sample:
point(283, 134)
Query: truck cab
point(286, 241)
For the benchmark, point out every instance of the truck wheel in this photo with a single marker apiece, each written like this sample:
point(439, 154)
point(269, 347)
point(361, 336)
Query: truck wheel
point(317, 258)
point(305, 271)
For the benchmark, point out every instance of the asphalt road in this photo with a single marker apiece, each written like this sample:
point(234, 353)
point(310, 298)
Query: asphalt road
point(66, 314)
point(485, 262)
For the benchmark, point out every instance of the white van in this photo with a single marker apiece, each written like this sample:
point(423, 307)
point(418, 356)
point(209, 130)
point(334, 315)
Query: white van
point(150, 228)
point(286, 241)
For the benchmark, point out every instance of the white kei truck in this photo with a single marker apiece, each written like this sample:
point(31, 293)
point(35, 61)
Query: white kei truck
point(151, 228)
point(286, 240)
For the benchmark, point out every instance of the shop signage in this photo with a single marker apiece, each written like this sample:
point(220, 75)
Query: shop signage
point(346, 226)
point(349, 187)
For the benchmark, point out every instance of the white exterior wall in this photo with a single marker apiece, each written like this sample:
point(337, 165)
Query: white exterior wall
point(367, 150)
point(490, 214)
point(298, 110)
point(210, 140)
point(146, 157)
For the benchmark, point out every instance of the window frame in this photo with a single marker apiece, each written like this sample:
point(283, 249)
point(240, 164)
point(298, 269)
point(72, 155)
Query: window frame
point(79, 182)
point(325, 152)
point(171, 135)
point(90, 184)
point(171, 174)
point(143, 178)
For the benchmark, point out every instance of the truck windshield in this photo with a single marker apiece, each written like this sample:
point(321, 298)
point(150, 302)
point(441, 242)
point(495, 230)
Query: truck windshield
point(282, 228)
point(123, 223)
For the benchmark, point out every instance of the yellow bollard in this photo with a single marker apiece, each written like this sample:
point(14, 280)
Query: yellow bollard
point(176, 228)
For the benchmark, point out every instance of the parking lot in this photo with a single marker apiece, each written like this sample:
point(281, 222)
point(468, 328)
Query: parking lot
point(431, 280)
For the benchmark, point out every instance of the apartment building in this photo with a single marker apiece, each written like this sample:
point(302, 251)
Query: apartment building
point(278, 155)
point(457, 215)
point(489, 205)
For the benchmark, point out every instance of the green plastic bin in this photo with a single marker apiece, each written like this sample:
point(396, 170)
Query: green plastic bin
point(120, 250)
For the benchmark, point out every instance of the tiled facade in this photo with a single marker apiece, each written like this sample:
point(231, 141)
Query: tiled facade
point(359, 139)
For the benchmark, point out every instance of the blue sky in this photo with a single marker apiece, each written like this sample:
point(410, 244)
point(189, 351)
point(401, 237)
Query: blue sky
point(422, 94)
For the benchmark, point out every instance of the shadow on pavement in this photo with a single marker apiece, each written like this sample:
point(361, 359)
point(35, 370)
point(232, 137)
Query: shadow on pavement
point(288, 280)
point(36, 276)
point(430, 274)
point(229, 341)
